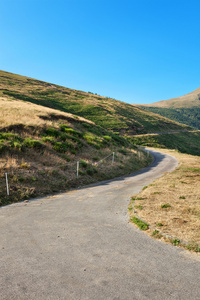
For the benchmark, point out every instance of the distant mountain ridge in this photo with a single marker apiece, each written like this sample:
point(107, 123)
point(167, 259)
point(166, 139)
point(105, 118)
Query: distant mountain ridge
point(186, 101)
point(184, 109)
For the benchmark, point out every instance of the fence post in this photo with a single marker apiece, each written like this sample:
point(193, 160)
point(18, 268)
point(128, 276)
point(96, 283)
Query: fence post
point(139, 154)
point(77, 168)
point(7, 183)
point(113, 158)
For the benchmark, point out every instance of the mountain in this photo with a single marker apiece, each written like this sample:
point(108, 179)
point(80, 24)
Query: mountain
point(106, 112)
point(187, 101)
point(184, 109)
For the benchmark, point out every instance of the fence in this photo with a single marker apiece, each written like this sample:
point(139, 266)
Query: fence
point(76, 165)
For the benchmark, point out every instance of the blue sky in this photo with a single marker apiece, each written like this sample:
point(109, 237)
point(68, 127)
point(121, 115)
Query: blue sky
point(135, 51)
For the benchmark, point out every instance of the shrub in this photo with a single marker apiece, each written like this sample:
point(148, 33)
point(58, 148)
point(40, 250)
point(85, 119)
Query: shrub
point(52, 132)
point(107, 138)
point(63, 127)
point(73, 132)
point(91, 171)
point(83, 163)
point(60, 147)
point(49, 139)
point(30, 143)
point(123, 151)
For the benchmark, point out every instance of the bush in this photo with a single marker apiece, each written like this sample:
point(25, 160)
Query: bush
point(30, 143)
point(60, 147)
point(83, 163)
point(91, 171)
point(52, 132)
point(107, 138)
point(49, 139)
point(73, 132)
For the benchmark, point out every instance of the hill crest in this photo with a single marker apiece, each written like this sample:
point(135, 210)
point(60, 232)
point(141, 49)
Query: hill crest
point(186, 101)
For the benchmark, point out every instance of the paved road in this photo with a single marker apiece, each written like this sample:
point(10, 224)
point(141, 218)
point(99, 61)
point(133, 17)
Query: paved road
point(79, 245)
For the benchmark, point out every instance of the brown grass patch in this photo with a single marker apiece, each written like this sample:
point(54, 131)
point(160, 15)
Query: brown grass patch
point(172, 203)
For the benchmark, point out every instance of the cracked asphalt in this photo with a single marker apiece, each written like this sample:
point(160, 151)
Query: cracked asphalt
point(80, 245)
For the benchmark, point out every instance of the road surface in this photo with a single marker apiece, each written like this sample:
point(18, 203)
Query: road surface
point(79, 245)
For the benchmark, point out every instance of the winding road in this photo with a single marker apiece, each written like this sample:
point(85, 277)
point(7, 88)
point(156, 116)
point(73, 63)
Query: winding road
point(80, 245)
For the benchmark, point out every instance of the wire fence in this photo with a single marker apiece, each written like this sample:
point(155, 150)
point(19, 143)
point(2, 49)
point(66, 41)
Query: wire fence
point(76, 165)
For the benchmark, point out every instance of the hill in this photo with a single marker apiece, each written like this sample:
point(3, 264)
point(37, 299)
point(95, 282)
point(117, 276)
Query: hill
point(41, 149)
point(187, 101)
point(185, 109)
point(108, 113)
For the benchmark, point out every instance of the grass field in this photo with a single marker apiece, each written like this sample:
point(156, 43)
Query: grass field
point(171, 204)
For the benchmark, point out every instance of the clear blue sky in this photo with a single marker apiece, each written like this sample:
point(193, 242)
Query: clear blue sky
point(137, 51)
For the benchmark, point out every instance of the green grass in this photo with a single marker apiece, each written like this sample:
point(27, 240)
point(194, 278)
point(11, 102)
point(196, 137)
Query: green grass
point(188, 116)
point(185, 142)
point(139, 223)
point(106, 112)
point(165, 205)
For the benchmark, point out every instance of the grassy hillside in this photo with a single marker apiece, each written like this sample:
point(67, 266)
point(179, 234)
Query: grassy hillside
point(185, 142)
point(185, 109)
point(40, 147)
point(188, 116)
point(109, 113)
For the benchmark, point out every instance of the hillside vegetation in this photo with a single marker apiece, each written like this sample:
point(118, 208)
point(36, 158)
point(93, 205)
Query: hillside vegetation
point(40, 148)
point(185, 109)
point(189, 116)
point(108, 113)
point(185, 142)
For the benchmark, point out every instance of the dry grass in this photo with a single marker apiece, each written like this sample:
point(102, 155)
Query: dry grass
point(20, 112)
point(180, 191)
point(40, 171)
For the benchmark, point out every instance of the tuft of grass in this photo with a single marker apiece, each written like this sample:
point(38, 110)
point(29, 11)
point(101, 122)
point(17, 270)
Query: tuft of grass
point(142, 225)
point(175, 242)
point(139, 207)
point(165, 205)
point(144, 188)
point(193, 247)
point(159, 224)
point(155, 232)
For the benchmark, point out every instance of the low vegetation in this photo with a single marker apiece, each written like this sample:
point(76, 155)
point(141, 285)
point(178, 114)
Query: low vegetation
point(188, 116)
point(171, 204)
point(40, 147)
point(185, 142)
point(108, 113)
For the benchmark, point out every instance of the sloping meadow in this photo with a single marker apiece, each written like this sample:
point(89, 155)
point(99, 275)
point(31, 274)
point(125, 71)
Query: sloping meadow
point(44, 151)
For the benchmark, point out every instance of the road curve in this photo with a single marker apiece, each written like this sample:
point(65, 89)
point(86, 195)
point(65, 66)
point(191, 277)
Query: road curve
point(79, 245)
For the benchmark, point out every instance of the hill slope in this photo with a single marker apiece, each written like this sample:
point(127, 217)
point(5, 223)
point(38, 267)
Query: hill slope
point(106, 112)
point(187, 101)
point(185, 109)
point(40, 148)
